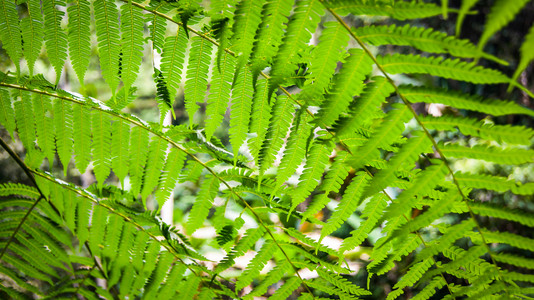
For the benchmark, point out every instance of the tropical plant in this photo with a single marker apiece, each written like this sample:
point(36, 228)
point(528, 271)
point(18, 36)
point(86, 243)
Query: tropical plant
point(322, 139)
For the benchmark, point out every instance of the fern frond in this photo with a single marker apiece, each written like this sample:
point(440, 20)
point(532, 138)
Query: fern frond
point(430, 289)
point(172, 60)
point(10, 31)
point(82, 137)
point(17, 189)
point(42, 108)
point(24, 119)
point(154, 165)
point(163, 96)
point(202, 204)
point(78, 36)
point(247, 18)
point(424, 39)
point(241, 106)
point(324, 286)
point(373, 211)
point(295, 149)
point(132, 24)
point(272, 277)
point(286, 289)
point(450, 235)
point(259, 120)
point(32, 33)
point(97, 230)
point(7, 113)
point(55, 37)
point(270, 32)
point(157, 25)
point(502, 12)
point(347, 84)
point(172, 280)
point(331, 184)
point(197, 75)
point(342, 283)
point(437, 66)
point(138, 155)
point(463, 101)
point(63, 128)
point(350, 201)
point(410, 278)
point(526, 54)
point(169, 175)
point(313, 170)
point(392, 126)
point(487, 153)
point(107, 34)
point(101, 146)
point(494, 183)
point(305, 18)
point(501, 133)
point(256, 264)
point(120, 141)
point(248, 240)
point(464, 9)
point(514, 260)
point(508, 238)
point(278, 125)
point(407, 155)
point(325, 57)
point(398, 10)
point(219, 91)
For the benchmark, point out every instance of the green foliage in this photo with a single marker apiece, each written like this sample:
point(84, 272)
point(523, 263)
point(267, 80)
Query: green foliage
point(330, 164)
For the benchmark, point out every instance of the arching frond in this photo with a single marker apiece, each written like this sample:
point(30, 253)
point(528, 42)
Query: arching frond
point(107, 32)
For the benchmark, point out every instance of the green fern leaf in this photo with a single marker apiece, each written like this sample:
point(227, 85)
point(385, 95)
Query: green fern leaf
point(171, 282)
point(384, 262)
point(286, 289)
point(348, 204)
point(256, 264)
point(430, 289)
point(342, 283)
point(189, 288)
point(305, 18)
point(464, 9)
point(295, 149)
point(197, 75)
point(324, 286)
point(7, 113)
point(251, 236)
point(501, 133)
point(398, 10)
point(494, 183)
point(202, 204)
point(313, 170)
point(169, 176)
point(450, 235)
point(270, 32)
point(272, 277)
point(485, 209)
point(424, 39)
point(508, 238)
point(42, 108)
point(132, 24)
point(463, 101)
point(493, 154)
point(10, 31)
point(97, 230)
point(279, 124)
point(247, 17)
point(502, 12)
point(373, 211)
point(325, 57)
point(101, 146)
point(138, 155)
point(55, 37)
point(71, 202)
point(78, 36)
point(63, 128)
point(120, 140)
point(259, 120)
point(154, 165)
point(83, 214)
point(32, 33)
point(242, 94)
point(513, 259)
point(112, 237)
point(107, 34)
point(82, 137)
point(526, 55)
point(157, 25)
point(172, 60)
point(437, 66)
point(407, 155)
point(331, 184)
point(219, 91)
point(347, 84)
point(391, 127)
point(410, 278)
point(24, 119)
